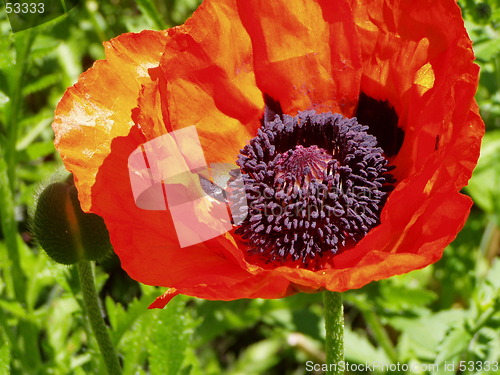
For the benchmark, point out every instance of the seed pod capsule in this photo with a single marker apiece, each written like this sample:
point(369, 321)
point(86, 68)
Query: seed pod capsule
point(64, 231)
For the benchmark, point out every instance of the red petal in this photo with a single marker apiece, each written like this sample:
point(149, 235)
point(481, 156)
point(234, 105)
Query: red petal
point(306, 53)
point(97, 108)
point(165, 298)
point(210, 84)
point(146, 241)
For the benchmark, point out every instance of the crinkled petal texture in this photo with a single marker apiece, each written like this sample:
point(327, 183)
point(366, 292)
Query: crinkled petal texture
point(304, 54)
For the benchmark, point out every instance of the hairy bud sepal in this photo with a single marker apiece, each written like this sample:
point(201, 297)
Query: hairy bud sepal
point(64, 231)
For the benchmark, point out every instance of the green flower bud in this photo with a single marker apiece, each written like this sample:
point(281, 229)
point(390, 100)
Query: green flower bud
point(64, 231)
point(483, 12)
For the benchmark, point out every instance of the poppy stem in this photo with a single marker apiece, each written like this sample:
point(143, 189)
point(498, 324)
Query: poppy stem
point(94, 313)
point(334, 324)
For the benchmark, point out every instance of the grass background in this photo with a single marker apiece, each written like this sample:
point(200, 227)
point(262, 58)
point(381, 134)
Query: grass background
point(447, 313)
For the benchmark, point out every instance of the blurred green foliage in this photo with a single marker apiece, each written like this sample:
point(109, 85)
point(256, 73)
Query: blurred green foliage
point(446, 313)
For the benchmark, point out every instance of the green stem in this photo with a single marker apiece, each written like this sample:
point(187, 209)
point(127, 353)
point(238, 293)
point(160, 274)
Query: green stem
point(94, 313)
point(380, 334)
point(8, 163)
point(92, 11)
point(23, 42)
point(8, 181)
point(148, 9)
point(334, 324)
point(483, 319)
point(17, 281)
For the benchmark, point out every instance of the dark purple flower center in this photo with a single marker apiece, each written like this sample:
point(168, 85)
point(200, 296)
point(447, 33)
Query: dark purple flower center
point(315, 184)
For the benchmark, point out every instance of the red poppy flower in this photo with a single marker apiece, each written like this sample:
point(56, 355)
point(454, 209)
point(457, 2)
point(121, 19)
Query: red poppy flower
point(403, 68)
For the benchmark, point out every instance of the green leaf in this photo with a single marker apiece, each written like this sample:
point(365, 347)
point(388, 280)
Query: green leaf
point(487, 49)
point(4, 354)
point(422, 336)
point(359, 349)
point(34, 127)
point(14, 308)
point(40, 149)
point(494, 274)
point(69, 60)
point(219, 318)
point(258, 358)
point(9, 228)
point(397, 297)
point(4, 99)
point(7, 55)
point(483, 186)
point(455, 343)
point(170, 338)
point(123, 319)
point(64, 333)
point(148, 9)
point(41, 83)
